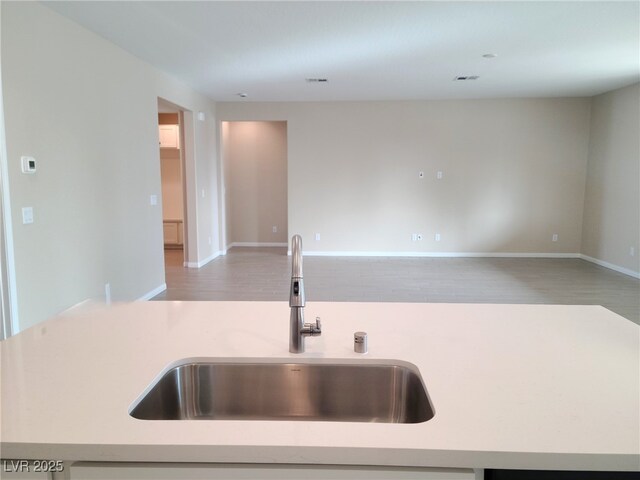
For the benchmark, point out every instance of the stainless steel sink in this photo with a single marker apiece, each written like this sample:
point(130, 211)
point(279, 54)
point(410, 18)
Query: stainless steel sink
point(390, 392)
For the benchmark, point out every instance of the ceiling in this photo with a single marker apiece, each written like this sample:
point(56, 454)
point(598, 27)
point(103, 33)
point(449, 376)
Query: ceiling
point(376, 50)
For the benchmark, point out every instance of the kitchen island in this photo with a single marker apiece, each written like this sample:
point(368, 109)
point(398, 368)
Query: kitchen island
point(513, 386)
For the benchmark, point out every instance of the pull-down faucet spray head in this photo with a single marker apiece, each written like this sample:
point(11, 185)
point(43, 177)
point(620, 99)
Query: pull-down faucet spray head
point(296, 295)
point(297, 328)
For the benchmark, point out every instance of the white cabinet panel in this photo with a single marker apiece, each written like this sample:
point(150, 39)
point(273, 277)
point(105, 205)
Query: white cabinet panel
point(172, 230)
point(169, 136)
point(129, 471)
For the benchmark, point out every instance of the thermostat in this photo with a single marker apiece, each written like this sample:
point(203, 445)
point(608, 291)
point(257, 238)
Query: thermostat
point(28, 164)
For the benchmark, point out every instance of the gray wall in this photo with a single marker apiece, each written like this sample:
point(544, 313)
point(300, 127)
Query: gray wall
point(255, 166)
point(87, 111)
point(612, 202)
point(513, 174)
point(172, 198)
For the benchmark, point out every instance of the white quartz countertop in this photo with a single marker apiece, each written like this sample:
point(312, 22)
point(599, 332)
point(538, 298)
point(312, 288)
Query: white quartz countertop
point(513, 386)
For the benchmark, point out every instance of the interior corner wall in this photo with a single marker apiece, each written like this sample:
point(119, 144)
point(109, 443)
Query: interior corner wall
point(611, 229)
point(171, 174)
point(86, 110)
point(255, 156)
point(225, 199)
point(513, 174)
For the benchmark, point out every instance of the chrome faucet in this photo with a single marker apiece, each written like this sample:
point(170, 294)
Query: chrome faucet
point(297, 328)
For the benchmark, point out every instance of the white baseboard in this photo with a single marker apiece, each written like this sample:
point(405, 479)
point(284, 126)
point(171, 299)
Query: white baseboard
point(611, 266)
point(439, 254)
point(81, 305)
point(257, 244)
point(201, 263)
point(92, 302)
point(602, 263)
point(152, 293)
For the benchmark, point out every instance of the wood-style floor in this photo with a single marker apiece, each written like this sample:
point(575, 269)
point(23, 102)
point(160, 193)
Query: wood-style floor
point(264, 274)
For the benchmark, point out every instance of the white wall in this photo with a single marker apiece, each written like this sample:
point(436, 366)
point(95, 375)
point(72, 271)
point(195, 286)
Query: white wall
point(255, 160)
point(171, 172)
point(513, 173)
point(87, 111)
point(612, 202)
point(514, 169)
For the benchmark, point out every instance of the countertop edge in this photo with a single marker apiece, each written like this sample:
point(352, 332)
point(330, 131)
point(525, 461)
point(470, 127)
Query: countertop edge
point(304, 455)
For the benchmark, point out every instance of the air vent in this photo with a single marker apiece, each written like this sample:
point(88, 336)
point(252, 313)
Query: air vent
point(316, 80)
point(462, 78)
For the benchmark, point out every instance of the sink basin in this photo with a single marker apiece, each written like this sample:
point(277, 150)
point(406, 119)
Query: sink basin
point(389, 392)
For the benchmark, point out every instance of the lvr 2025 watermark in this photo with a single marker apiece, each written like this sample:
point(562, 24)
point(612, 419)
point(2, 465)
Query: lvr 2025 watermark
point(26, 466)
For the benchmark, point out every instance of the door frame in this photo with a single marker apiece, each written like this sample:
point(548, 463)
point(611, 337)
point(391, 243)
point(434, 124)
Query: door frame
point(8, 292)
point(186, 119)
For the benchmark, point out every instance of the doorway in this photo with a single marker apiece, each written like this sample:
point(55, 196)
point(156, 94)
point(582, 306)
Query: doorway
point(172, 175)
point(255, 183)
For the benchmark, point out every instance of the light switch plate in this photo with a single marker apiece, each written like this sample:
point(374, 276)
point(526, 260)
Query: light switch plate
point(27, 215)
point(153, 200)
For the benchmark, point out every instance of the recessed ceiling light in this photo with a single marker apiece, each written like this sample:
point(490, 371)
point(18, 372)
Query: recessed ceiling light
point(243, 95)
point(490, 55)
point(316, 80)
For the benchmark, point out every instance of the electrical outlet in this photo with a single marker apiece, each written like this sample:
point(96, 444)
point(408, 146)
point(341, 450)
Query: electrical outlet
point(632, 251)
point(153, 200)
point(419, 237)
point(107, 293)
point(28, 164)
point(274, 229)
point(209, 240)
point(554, 237)
point(437, 237)
point(414, 237)
point(317, 237)
point(439, 175)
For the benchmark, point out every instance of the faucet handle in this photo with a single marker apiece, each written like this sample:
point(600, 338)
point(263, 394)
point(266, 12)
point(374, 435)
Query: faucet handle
point(312, 330)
